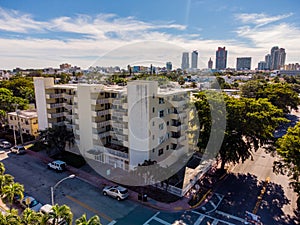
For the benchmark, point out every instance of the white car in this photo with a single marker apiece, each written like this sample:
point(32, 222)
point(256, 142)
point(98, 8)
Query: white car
point(57, 165)
point(32, 203)
point(5, 144)
point(18, 149)
point(117, 192)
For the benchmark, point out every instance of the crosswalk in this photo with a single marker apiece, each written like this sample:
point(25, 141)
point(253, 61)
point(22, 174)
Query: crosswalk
point(198, 219)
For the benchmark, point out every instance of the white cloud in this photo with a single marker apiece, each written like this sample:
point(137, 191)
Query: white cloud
point(14, 21)
point(110, 40)
point(260, 19)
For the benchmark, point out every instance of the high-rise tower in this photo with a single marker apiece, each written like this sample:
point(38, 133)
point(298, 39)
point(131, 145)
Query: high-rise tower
point(185, 64)
point(210, 64)
point(194, 60)
point(221, 58)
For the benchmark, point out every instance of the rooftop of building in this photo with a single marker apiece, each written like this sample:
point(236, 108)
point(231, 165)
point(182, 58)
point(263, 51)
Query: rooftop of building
point(28, 114)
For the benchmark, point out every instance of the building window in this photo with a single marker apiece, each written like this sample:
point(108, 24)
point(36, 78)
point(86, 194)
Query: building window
point(160, 151)
point(153, 109)
point(161, 101)
point(11, 118)
point(168, 123)
point(161, 113)
point(153, 149)
point(161, 139)
point(161, 126)
point(167, 147)
point(153, 137)
point(153, 123)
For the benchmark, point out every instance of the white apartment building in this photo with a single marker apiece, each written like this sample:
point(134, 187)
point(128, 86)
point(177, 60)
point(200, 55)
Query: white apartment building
point(118, 126)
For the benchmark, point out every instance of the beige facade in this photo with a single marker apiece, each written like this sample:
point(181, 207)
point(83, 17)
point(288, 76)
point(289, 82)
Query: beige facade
point(26, 120)
point(119, 126)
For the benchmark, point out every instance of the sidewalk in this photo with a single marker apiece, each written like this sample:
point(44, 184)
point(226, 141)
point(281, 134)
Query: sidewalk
point(99, 182)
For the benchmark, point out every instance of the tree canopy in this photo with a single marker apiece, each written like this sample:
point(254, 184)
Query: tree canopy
point(250, 123)
point(281, 95)
point(288, 148)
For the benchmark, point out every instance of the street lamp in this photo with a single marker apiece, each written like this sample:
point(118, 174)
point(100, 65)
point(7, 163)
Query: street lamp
point(52, 188)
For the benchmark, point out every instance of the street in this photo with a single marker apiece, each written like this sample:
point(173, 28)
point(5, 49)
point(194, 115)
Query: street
point(237, 193)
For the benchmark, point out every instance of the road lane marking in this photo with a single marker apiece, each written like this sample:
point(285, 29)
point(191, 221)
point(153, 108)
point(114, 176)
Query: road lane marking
point(147, 222)
point(230, 216)
point(259, 198)
point(89, 208)
point(112, 222)
point(199, 220)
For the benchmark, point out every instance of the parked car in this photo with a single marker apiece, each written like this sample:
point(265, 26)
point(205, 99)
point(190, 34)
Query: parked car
point(57, 165)
point(117, 192)
point(5, 145)
point(18, 149)
point(47, 209)
point(32, 203)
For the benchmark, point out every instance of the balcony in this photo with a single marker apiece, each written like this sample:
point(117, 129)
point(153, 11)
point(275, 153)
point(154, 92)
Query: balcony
point(56, 115)
point(50, 96)
point(69, 107)
point(101, 124)
point(178, 102)
point(55, 105)
point(116, 150)
point(100, 101)
point(101, 112)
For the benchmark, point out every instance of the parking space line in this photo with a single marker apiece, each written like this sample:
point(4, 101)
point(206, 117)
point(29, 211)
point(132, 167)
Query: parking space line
point(89, 208)
point(161, 221)
point(199, 220)
point(230, 216)
point(146, 223)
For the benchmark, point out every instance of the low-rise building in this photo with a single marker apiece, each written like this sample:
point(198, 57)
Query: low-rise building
point(24, 120)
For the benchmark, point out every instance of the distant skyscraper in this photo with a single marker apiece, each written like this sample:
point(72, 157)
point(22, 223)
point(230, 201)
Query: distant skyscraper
point(169, 66)
point(282, 56)
point(210, 64)
point(278, 56)
point(194, 60)
point(243, 63)
point(268, 61)
point(262, 65)
point(221, 58)
point(185, 64)
point(274, 58)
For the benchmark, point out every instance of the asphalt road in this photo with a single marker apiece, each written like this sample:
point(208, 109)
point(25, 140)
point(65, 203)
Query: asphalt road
point(243, 186)
point(80, 196)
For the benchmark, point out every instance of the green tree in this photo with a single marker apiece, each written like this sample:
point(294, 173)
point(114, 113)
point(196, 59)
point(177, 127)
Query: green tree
point(181, 80)
point(60, 213)
point(30, 217)
point(288, 148)
point(18, 85)
point(251, 88)
point(281, 95)
point(6, 179)
point(2, 169)
point(12, 190)
point(11, 218)
point(250, 123)
point(57, 138)
point(84, 221)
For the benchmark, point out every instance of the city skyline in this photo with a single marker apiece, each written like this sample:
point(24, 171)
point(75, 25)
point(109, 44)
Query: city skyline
point(38, 34)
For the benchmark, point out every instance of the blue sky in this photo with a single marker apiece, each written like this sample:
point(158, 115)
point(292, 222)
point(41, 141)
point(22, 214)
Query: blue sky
point(38, 34)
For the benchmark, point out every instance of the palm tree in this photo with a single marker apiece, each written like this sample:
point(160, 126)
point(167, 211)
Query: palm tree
point(5, 179)
point(12, 190)
point(92, 221)
point(30, 217)
point(2, 168)
point(11, 218)
point(60, 213)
